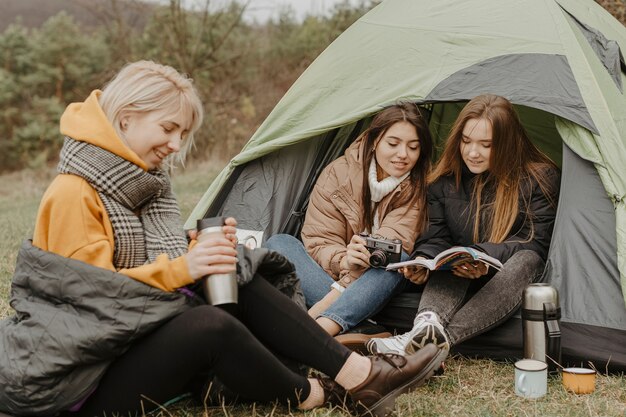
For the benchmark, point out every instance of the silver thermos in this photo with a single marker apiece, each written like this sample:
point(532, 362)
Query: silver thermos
point(218, 288)
point(540, 321)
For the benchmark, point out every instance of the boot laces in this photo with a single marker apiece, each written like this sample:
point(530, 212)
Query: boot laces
point(389, 358)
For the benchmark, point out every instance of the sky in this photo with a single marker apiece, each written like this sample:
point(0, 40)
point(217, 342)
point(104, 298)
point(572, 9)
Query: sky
point(262, 10)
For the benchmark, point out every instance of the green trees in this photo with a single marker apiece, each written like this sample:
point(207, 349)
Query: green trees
point(41, 71)
point(241, 68)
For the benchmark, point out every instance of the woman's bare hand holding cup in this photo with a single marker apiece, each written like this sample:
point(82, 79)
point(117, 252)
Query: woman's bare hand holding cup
point(229, 230)
point(215, 255)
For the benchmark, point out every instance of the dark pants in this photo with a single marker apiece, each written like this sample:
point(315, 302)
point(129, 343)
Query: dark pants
point(469, 307)
point(235, 349)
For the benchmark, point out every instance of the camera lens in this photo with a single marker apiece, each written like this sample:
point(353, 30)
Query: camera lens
point(378, 258)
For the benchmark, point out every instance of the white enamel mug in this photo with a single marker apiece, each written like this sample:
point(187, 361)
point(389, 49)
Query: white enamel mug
point(531, 378)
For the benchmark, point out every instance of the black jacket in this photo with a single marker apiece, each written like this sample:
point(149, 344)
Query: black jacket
point(72, 319)
point(451, 218)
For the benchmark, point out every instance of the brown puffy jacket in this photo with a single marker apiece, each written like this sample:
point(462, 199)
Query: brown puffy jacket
point(335, 212)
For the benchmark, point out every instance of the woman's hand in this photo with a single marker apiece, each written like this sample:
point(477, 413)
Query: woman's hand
point(229, 230)
point(213, 255)
point(470, 270)
point(357, 256)
point(416, 274)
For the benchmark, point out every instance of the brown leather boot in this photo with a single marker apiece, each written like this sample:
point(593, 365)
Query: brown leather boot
point(335, 396)
point(393, 375)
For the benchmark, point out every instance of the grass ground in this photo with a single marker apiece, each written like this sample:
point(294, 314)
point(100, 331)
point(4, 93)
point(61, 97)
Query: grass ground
point(468, 387)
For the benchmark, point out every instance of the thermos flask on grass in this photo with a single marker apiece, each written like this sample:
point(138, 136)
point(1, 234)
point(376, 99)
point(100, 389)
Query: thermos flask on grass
point(218, 288)
point(540, 321)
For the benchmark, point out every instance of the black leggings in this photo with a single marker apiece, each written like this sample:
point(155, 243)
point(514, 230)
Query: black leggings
point(236, 349)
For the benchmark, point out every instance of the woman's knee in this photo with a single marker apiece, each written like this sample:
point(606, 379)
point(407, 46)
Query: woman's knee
point(380, 280)
point(528, 258)
point(525, 263)
point(207, 323)
point(281, 242)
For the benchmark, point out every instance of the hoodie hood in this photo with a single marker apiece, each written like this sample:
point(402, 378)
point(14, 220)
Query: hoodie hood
point(87, 122)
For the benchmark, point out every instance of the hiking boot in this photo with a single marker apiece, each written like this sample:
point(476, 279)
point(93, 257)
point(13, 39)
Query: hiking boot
point(427, 329)
point(393, 375)
point(335, 396)
point(356, 338)
point(357, 342)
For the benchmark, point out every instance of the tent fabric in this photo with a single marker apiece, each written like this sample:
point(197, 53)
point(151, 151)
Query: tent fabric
point(583, 245)
point(465, 33)
point(607, 51)
point(541, 81)
point(556, 60)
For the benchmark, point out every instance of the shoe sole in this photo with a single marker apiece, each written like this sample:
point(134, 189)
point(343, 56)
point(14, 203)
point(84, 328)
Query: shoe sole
point(422, 339)
point(359, 344)
point(387, 404)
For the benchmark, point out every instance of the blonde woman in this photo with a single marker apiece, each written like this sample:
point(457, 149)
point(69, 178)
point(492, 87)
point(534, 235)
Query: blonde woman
point(105, 322)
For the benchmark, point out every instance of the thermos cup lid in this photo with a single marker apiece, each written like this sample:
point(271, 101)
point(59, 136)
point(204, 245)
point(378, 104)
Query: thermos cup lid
point(536, 295)
point(210, 222)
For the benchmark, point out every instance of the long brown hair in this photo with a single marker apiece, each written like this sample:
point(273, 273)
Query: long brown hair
point(514, 159)
point(415, 193)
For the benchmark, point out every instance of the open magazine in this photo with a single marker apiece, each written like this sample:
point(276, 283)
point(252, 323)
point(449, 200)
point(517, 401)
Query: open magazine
point(447, 259)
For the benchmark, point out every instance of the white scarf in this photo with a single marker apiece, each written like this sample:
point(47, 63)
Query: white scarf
point(379, 189)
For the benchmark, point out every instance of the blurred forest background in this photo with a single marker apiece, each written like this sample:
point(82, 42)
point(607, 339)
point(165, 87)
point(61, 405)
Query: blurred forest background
point(54, 52)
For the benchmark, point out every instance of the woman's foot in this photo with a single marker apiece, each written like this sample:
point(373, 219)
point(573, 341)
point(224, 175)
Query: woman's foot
point(427, 329)
point(392, 375)
point(356, 338)
point(335, 396)
point(357, 342)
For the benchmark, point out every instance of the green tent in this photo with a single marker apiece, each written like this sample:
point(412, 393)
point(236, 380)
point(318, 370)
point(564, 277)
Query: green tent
point(559, 61)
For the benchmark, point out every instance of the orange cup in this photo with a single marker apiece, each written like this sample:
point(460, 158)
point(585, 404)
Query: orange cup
point(579, 380)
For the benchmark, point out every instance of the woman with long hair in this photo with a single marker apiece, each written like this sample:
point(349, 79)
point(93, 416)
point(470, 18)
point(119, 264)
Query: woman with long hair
point(492, 190)
point(107, 321)
point(378, 188)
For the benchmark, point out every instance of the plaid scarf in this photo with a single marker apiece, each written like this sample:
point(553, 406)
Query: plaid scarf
point(141, 206)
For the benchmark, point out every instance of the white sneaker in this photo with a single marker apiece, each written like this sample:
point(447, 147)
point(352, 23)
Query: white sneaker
point(396, 344)
point(426, 329)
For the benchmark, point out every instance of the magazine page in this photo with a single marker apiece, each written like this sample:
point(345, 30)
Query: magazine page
point(449, 258)
point(428, 263)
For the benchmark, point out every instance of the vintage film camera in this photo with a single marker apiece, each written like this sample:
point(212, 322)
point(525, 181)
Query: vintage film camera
point(382, 251)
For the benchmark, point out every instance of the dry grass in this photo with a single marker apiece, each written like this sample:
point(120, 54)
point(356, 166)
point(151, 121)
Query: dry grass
point(467, 388)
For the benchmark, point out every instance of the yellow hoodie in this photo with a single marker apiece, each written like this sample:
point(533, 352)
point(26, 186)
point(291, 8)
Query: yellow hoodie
point(72, 220)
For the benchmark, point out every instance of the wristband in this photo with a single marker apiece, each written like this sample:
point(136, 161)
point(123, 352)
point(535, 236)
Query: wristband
point(337, 286)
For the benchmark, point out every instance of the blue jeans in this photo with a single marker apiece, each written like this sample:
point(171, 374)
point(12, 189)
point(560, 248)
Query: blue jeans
point(362, 298)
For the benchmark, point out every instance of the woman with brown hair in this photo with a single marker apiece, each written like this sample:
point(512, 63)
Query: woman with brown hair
point(492, 190)
point(378, 188)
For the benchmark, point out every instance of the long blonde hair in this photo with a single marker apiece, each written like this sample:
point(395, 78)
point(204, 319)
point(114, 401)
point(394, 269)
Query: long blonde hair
point(514, 159)
point(146, 86)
